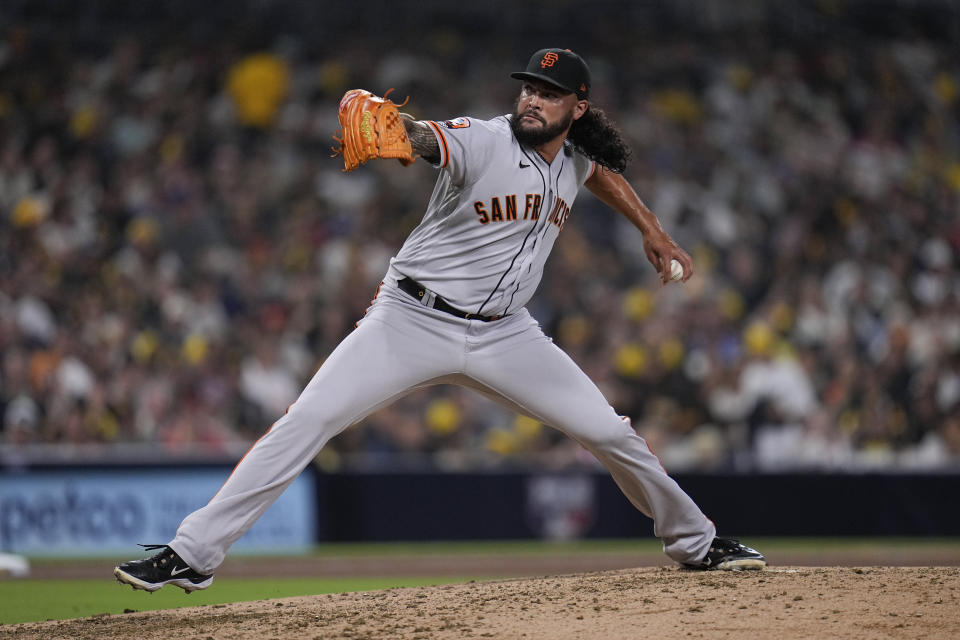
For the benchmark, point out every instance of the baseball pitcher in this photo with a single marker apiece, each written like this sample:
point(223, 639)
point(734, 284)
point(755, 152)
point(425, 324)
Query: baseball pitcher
point(451, 309)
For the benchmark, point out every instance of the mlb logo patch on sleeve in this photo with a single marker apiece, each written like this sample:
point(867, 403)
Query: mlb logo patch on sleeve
point(457, 123)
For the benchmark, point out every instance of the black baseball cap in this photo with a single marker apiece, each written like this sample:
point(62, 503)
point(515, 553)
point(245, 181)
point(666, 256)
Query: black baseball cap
point(560, 67)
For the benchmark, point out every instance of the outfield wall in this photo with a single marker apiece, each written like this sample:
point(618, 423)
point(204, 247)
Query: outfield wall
point(81, 510)
point(570, 505)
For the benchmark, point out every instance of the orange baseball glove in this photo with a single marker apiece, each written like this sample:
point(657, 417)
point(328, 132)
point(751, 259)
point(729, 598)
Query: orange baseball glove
point(372, 128)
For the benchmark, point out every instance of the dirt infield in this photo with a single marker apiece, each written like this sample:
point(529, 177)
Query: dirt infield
point(657, 602)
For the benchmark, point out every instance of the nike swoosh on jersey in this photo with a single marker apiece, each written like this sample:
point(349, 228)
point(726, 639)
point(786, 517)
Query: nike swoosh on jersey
point(523, 166)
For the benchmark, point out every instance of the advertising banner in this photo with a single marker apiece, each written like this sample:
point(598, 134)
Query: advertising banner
point(105, 511)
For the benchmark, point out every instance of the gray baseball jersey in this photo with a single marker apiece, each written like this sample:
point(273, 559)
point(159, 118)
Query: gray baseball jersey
point(491, 222)
point(494, 215)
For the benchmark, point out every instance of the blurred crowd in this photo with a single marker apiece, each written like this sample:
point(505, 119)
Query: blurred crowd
point(179, 252)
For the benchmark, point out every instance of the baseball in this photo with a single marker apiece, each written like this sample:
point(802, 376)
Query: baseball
point(676, 271)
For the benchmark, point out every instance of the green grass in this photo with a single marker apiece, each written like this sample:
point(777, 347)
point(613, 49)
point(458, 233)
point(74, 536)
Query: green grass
point(37, 600)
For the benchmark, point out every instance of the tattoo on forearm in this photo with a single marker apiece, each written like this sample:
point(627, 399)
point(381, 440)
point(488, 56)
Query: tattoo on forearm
point(423, 140)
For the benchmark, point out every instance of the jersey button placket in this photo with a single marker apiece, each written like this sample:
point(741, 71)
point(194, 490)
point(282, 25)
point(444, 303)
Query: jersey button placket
point(540, 224)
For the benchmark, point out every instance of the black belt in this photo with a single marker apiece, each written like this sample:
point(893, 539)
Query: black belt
point(417, 290)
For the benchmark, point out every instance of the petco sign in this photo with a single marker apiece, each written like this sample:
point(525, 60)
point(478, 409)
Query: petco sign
point(103, 511)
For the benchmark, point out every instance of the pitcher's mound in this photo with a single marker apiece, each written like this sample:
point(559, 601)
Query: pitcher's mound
point(665, 603)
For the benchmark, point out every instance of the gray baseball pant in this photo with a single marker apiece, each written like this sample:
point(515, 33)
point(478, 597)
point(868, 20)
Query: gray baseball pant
point(401, 345)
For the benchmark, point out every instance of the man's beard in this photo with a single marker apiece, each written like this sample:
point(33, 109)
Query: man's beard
point(538, 136)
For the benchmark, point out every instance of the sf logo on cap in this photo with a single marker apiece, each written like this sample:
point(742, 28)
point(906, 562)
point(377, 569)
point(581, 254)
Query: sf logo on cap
point(549, 59)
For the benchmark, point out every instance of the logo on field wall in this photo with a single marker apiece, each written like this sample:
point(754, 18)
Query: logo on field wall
point(561, 507)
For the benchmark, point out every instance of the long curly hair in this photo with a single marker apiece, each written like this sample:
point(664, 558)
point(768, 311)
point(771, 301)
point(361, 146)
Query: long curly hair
point(595, 136)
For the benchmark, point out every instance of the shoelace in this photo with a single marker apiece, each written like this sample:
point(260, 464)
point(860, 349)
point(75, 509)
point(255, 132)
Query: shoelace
point(158, 558)
point(729, 546)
